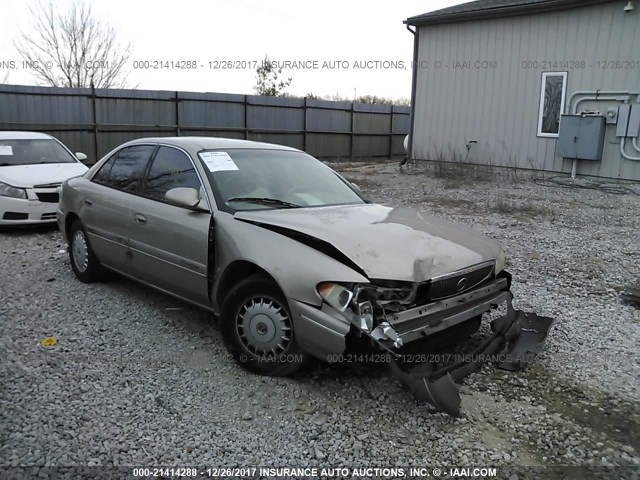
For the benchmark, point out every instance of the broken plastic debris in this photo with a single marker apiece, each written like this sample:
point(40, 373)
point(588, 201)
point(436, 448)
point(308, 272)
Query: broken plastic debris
point(48, 341)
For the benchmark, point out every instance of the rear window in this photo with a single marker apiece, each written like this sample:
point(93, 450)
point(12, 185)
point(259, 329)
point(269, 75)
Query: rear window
point(125, 169)
point(33, 151)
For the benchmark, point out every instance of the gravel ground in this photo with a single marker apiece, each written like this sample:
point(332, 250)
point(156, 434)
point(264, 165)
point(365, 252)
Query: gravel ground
point(138, 378)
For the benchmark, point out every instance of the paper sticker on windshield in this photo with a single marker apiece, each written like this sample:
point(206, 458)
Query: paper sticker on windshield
point(218, 161)
point(6, 150)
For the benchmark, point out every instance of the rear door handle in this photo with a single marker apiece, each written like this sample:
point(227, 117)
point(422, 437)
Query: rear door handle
point(88, 202)
point(141, 219)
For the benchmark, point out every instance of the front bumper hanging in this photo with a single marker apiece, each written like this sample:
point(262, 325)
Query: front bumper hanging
point(515, 340)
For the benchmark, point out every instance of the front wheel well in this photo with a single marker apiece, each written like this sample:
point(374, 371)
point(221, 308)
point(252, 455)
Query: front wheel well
point(234, 273)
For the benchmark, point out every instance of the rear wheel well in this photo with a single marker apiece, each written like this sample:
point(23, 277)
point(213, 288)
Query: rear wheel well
point(234, 273)
point(68, 221)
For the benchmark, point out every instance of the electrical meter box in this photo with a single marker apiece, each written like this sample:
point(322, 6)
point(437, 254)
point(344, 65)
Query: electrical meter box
point(581, 137)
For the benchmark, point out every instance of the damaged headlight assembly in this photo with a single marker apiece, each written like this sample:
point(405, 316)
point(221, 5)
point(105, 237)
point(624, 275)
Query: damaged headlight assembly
point(335, 295)
point(341, 298)
point(358, 305)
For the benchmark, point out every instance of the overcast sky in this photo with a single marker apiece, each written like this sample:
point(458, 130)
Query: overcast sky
point(349, 33)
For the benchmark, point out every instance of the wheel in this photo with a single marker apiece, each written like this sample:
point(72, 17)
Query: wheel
point(84, 263)
point(257, 328)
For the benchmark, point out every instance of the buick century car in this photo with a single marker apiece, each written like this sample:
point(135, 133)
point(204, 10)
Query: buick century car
point(291, 256)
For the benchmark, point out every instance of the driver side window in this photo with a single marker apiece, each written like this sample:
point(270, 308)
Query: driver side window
point(170, 168)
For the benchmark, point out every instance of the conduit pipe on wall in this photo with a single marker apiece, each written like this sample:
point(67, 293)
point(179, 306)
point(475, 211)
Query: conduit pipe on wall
point(597, 93)
point(623, 141)
point(597, 96)
point(624, 98)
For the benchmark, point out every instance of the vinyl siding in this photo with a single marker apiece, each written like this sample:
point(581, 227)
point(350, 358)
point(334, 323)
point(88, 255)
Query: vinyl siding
point(499, 107)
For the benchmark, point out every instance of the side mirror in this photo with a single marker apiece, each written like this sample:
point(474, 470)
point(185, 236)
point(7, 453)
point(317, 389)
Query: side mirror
point(184, 197)
point(83, 158)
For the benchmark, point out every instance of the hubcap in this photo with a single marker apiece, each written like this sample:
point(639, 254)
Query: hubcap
point(264, 327)
point(80, 251)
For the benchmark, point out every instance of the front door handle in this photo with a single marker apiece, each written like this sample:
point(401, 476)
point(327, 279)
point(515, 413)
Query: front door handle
point(88, 202)
point(141, 219)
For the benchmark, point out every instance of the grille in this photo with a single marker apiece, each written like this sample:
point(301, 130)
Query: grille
point(48, 197)
point(48, 216)
point(454, 285)
point(15, 216)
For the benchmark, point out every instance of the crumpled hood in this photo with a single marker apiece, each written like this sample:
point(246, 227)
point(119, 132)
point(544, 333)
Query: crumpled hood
point(26, 176)
point(387, 243)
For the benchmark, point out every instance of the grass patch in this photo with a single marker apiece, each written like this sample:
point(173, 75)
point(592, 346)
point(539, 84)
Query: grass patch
point(526, 210)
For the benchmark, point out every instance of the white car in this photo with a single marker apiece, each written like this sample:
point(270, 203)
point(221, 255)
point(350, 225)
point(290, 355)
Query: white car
point(32, 168)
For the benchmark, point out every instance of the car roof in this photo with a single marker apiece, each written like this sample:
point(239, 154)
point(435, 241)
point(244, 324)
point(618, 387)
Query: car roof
point(213, 143)
point(15, 135)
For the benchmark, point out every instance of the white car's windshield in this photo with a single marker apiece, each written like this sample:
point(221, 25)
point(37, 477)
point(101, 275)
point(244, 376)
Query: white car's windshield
point(33, 151)
point(247, 179)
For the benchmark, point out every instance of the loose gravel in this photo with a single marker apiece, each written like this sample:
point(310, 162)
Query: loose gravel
point(138, 378)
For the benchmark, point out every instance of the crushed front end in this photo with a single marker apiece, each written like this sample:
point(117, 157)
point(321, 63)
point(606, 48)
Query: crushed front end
point(398, 314)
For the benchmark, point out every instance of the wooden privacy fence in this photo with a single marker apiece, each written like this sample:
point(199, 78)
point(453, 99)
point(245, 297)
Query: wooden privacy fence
point(94, 121)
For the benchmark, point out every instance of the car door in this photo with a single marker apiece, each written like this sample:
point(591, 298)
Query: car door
point(106, 211)
point(170, 243)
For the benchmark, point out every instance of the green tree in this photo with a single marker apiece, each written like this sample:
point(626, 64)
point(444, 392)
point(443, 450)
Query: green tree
point(268, 79)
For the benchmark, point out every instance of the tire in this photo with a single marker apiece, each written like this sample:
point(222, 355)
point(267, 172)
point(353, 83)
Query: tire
point(84, 263)
point(254, 314)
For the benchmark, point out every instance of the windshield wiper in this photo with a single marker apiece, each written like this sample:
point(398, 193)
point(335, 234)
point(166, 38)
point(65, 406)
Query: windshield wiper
point(5, 164)
point(265, 201)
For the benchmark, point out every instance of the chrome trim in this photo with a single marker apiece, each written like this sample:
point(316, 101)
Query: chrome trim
point(209, 308)
point(443, 305)
point(467, 314)
point(395, 335)
point(472, 268)
point(129, 247)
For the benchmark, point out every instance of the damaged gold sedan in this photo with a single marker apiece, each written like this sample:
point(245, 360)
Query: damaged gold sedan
point(292, 257)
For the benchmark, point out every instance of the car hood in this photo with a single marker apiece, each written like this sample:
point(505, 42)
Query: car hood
point(40, 174)
point(386, 243)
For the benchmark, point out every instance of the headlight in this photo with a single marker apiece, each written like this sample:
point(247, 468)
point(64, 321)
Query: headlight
point(335, 295)
point(500, 261)
point(9, 191)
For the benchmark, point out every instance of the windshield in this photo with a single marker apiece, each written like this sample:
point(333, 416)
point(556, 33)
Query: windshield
point(32, 151)
point(247, 179)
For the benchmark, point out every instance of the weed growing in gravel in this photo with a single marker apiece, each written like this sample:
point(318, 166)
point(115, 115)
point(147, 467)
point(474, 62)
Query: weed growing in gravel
point(505, 205)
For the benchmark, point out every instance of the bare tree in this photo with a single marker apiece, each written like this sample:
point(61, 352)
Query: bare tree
point(73, 48)
point(6, 77)
point(267, 79)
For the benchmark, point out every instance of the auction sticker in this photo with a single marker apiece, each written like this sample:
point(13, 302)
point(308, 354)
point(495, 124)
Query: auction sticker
point(218, 161)
point(6, 150)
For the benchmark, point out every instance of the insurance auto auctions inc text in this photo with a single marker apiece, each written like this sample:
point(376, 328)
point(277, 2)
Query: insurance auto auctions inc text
point(377, 472)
